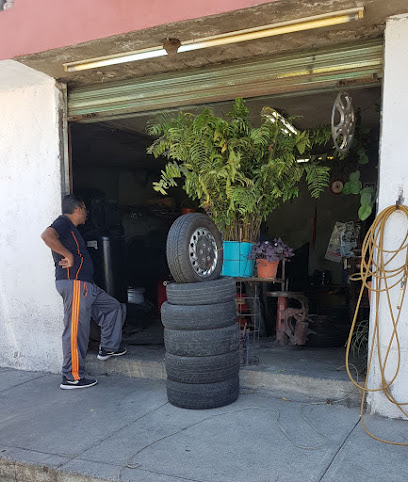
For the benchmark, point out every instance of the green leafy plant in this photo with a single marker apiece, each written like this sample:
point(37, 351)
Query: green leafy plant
point(363, 137)
point(367, 194)
point(237, 172)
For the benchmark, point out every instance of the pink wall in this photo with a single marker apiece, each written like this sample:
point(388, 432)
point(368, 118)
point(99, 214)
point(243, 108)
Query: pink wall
point(38, 25)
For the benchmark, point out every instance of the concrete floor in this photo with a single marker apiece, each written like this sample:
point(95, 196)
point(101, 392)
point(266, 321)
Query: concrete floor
point(124, 429)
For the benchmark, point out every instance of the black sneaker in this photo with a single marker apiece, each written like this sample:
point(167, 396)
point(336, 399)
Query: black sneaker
point(106, 354)
point(82, 383)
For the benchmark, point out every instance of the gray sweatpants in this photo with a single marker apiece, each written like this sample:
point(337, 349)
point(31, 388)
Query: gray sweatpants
point(81, 301)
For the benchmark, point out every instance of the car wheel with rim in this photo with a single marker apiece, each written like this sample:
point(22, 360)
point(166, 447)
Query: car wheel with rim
point(194, 249)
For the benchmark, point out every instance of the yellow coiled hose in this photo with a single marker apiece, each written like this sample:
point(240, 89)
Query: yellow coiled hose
point(376, 264)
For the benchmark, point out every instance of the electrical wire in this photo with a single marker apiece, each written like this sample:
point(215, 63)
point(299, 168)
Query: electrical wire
point(130, 464)
point(376, 264)
point(351, 365)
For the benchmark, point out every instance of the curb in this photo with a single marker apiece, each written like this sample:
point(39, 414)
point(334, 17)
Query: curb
point(322, 388)
point(14, 471)
point(153, 367)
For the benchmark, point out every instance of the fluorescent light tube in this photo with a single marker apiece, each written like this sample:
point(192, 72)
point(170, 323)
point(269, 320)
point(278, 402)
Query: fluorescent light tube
point(116, 59)
point(309, 23)
point(291, 26)
point(274, 116)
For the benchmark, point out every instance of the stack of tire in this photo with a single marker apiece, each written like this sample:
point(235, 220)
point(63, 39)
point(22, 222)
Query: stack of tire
point(201, 333)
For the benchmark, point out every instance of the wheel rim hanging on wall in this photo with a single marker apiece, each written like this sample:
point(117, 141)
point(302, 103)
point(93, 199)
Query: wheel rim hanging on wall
point(343, 129)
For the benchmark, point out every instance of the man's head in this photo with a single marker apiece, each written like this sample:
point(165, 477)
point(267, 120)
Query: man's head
point(73, 206)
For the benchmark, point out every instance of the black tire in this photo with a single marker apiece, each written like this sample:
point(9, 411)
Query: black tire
point(200, 396)
point(202, 342)
point(202, 369)
point(206, 293)
point(202, 317)
point(194, 249)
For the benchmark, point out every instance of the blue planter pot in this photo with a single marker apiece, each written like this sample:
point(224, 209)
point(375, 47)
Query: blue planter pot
point(236, 262)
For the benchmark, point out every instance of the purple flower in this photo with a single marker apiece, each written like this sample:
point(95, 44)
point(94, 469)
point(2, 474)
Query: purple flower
point(271, 251)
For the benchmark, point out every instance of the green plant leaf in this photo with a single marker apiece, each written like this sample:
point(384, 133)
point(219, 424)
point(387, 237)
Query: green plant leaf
point(346, 188)
point(355, 187)
point(302, 142)
point(364, 212)
point(367, 189)
point(366, 198)
point(317, 178)
point(355, 176)
point(363, 159)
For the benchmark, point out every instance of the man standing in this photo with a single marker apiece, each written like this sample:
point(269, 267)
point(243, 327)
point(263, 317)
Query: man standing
point(81, 297)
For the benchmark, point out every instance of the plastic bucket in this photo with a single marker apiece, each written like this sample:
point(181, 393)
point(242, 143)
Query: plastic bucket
point(136, 295)
point(236, 262)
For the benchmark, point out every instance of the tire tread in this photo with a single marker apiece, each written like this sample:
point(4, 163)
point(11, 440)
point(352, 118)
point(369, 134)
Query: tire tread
point(202, 396)
point(201, 317)
point(202, 342)
point(206, 369)
point(204, 293)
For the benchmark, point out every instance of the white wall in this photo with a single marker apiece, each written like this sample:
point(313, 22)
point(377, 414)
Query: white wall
point(393, 179)
point(30, 198)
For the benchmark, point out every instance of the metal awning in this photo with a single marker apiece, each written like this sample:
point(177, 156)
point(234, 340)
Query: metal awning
point(347, 65)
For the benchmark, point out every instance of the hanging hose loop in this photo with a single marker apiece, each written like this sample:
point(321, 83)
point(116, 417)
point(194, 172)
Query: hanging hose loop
point(388, 268)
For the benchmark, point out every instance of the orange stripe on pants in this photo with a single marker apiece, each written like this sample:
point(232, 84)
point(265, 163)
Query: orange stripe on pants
point(76, 298)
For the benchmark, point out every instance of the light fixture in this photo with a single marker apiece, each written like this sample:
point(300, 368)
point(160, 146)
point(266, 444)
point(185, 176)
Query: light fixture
point(308, 159)
point(274, 116)
point(105, 61)
point(309, 23)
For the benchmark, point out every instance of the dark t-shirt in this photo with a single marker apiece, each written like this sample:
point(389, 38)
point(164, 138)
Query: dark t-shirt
point(71, 239)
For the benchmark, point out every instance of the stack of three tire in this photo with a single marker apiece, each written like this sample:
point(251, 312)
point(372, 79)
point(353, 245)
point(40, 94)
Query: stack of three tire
point(201, 333)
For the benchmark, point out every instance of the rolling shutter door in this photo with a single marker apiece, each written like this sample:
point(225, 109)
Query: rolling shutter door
point(351, 65)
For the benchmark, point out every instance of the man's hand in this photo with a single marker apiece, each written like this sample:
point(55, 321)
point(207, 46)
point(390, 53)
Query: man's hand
point(67, 262)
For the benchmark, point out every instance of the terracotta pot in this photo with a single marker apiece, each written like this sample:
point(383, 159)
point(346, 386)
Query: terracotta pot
point(266, 269)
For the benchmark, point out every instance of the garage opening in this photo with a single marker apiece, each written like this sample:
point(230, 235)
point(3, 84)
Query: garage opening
point(128, 223)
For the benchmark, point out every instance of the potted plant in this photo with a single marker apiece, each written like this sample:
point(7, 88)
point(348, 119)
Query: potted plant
point(239, 173)
point(268, 254)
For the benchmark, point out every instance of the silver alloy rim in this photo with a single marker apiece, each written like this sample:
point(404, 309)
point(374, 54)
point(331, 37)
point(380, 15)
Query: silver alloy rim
point(343, 132)
point(203, 252)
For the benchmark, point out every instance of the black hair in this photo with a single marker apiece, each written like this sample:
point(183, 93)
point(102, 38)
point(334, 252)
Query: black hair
point(71, 202)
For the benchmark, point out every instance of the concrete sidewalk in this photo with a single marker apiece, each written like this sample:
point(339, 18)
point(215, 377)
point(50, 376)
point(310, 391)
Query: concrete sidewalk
point(47, 434)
